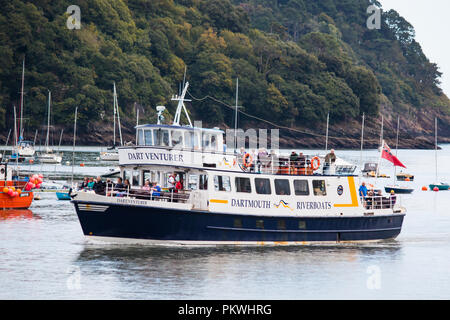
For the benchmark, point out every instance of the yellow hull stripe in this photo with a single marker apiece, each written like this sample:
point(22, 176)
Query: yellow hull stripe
point(354, 197)
point(218, 201)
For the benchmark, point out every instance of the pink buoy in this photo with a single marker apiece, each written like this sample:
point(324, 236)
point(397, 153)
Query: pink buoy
point(10, 192)
point(435, 189)
point(38, 186)
point(27, 187)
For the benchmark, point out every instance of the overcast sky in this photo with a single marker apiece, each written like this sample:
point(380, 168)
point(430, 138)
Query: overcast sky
point(430, 20)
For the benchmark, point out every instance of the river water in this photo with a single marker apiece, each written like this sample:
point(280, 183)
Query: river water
point(43, 254)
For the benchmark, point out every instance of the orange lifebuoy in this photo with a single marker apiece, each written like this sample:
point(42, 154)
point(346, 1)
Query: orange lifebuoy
point(313, 167)
point(248, 160)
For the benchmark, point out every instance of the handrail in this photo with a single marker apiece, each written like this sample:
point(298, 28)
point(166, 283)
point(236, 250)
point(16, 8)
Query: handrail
point(379, 202)
point(142, 194)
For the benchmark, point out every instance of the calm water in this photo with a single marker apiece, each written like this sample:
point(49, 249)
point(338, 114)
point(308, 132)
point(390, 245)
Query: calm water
point(43, 255)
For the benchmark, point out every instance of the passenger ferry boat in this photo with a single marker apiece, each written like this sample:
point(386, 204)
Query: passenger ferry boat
point(228, 198)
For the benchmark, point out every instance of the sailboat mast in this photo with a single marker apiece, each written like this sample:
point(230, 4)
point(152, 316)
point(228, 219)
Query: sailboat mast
point(326, 139)
point(118, 115)
point(48, 120)
point(362, 143)
point(381, 147)
point(114, 103)
point(235, 115)
point(435, 148)
point(74, 137)
point(396, 146)
point(21, 98)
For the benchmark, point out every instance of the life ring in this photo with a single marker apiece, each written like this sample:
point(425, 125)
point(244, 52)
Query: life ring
point(313, 167)
point(248, 160)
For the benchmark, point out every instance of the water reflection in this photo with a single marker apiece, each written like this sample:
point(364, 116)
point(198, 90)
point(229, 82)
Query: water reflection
point(11, 214)
point(228, 272)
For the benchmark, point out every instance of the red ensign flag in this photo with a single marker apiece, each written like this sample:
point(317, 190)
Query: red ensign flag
point(387, 154)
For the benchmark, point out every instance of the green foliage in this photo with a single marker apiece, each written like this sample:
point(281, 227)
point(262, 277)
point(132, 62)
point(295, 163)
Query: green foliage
point(296, 60)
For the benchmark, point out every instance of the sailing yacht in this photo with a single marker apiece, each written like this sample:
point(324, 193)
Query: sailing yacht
point(48, 156)
point(112, 154)
point(436, 184)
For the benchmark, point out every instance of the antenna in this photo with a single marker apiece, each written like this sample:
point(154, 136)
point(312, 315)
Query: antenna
point(326, 139)
point(236, 116)
point(181, 107)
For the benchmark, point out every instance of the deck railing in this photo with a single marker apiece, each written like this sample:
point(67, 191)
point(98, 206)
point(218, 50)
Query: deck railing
point(139, 193)
point(379, 202)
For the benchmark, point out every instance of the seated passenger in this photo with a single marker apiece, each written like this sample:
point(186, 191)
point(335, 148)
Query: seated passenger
point(155, 190)
point(84, 184)
point(91, 183)
point(99, 186)
point(146, 186)
point(125, 189)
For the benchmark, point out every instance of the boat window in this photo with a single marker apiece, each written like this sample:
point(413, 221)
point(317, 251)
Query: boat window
point(205, 141)
point(243, 185)
point(282, 187)
point(177, 138)
point(281, 225)
point(136, 175)
point(222, 183)
point(161, 137)
point(301, 187)
point(262, 186)
point(193, 182)
point(203, 182)
point(260, 224)
point(196, 140)
point(213, 142)
point(237, 223)
point(126, 175)
point(302, 225)
point(189, 139)
point(148, 138)
point(149, 175)
point(319, 188)
point(140, 137)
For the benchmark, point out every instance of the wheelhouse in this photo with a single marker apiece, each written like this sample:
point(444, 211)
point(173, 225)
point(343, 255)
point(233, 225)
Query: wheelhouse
point(180, 137)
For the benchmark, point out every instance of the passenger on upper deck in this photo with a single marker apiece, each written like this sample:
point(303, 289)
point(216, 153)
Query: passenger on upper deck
point(293, 157)
point(330, 158)
point(155, 190)
point(363, 190)
point(301, 160)
point(171, 181)
point(146, 186)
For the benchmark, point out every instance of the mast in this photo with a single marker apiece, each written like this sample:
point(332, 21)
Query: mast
point(362, 144)
point(21, 100)
point(74, 137)
point(118, 115)
point(435, 148)
point(326, 136)
point(396, 146)
point(236, 116)
point(114, 106)
point(181, 106)
point(48, 121)
point(381, 147)
point(6, 144)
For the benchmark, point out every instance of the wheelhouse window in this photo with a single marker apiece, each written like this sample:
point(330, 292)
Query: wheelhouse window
point(319, 188)
point(206, 141)
point(243, 185)
point(148, 137)
point(161, 137)
point(301, 187)
point(282, 187)
point(177, 138)
point(189, 139)
point(140, 137)
point(222, 183)
point(262, 186)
